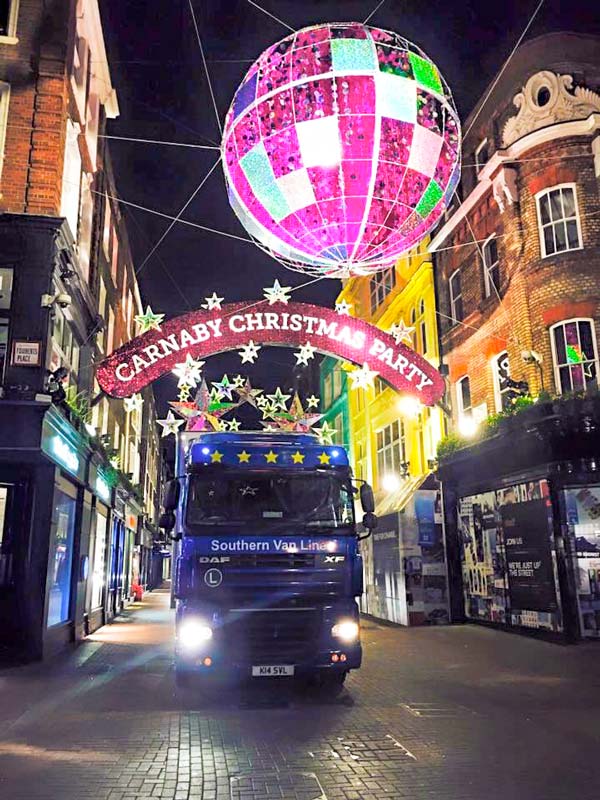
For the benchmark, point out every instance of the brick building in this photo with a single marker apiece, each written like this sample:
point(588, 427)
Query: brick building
point(518, 279)
point(78, 473)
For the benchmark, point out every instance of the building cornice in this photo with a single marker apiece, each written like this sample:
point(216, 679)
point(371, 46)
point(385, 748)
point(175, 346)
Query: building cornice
point(504, 157)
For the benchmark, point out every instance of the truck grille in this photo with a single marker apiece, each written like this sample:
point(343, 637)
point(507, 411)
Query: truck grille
point(272, 636)
point(270, 560)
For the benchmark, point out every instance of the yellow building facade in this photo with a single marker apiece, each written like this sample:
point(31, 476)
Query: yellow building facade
point(394, 438)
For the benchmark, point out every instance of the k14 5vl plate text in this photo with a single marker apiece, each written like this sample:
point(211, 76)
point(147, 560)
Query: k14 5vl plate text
point(271, 671)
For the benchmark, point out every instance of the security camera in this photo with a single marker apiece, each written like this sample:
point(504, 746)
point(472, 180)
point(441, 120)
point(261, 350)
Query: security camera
point(64, 300)
point(531, 357)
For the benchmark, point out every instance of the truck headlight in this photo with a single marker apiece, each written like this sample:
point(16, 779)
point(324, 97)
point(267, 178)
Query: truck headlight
point(193, 633)
point(347, 630)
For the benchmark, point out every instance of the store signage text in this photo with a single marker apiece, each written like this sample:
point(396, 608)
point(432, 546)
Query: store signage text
point(202, 334)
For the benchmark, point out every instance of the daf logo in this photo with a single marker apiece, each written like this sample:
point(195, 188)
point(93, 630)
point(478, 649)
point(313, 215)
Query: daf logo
point(213, 559)
point(333, 559)
point(213, 578)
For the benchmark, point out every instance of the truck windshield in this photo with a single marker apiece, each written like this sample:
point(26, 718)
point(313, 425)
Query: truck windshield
point(316, 500)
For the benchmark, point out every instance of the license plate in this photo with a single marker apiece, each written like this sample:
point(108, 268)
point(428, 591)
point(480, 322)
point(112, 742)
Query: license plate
point(271, 671)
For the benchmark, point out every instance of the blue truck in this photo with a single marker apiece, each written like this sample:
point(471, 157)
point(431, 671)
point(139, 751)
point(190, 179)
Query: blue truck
point(267, 566)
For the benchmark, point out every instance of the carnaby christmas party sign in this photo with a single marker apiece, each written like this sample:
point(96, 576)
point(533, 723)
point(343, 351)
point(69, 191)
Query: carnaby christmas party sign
point(237, 326)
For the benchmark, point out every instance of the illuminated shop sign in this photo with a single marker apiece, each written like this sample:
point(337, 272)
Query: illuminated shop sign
point(65, 454)
point(102, 489)
point(201, 334)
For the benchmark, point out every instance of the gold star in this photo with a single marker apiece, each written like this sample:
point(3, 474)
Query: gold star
point(271, 457)
point(216, 457)
point(298, 457)
point(324, 458)
point(244, 457)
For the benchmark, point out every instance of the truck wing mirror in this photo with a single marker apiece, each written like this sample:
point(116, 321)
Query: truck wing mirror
point(171, 498)
point(166, 521)
point(367, 499)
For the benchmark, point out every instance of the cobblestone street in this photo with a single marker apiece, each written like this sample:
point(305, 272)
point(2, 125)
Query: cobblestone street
point(459, 713)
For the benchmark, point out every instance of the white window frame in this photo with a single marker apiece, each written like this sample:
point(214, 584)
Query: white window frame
point(487, 268)
point(495, 371)
point(555, 364)
point(538, 199)
point(483, 143)
point(463, 413)
point(380, 286)
point(455, 320)
point(13, 15)
point(391, 456)
point(4, 100)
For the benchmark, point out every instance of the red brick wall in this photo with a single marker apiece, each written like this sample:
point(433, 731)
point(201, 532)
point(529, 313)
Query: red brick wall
point(536, 292)
point(31, 178)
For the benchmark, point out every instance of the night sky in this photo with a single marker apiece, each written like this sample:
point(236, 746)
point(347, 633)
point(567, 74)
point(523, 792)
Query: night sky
point(156, 66)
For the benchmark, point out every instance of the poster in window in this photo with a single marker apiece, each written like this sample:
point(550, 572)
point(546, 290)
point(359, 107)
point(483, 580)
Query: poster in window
point(529, 556)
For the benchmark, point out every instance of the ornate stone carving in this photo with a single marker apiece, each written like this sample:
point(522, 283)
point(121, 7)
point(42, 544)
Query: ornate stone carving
point(547, 98)
point(505, 188)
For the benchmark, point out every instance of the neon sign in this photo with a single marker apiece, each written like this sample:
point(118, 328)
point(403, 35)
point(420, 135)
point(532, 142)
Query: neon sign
point(102, 488)
point(204, 333)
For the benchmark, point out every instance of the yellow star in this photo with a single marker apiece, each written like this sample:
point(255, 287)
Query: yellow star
point(271, 457)
point(216, 457)
point(298, 457)
point(324, 458)
point(244, 457)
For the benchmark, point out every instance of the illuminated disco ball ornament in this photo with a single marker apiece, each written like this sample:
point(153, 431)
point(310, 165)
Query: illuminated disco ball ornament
point(341, 149)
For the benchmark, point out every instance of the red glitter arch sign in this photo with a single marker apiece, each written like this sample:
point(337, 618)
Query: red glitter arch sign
point(206, 333)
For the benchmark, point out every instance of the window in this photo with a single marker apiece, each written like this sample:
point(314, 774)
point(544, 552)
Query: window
point(99, 565)
point(9, 10)
point(380, 286)
point(463, 397)
point(337, 382)
point(4, 96)
point(482, 155)
point(420, 325)
point(491, 267)
point(456, 302)
point(61, 555)
point(380, 385)
point(558, 220)
point(391, 451)
point(338, 423)
point(327, 390)
point(574, 354)
point(503, 390)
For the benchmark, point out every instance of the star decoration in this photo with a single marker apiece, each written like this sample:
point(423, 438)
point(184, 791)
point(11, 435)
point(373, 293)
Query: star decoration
point(312, 401)
point(149, 321)
point(363, 378)
point(188, 371)
point(234, 424)
point(243, 457)
point(133, 403)
point(402, 332)
point(224, 388)
point(213, 302)
point(216, 457)
point(306, 352)
point(238, 382)
point(248, 490)
point(203, 412)
point(325, 433)
point(184, 393)
point(262, 401)
point(271, 457)
point(170, 424)
point(343, 308)
point(298, 457)
point(279, 399)
point(294, 419)
point(246, 394)
point(249, 352)
point(277, 293)
point(270, 428)
point(268, 410)
point(324, 458)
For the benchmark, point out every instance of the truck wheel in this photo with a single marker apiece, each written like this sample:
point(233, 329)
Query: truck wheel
point(331, 683)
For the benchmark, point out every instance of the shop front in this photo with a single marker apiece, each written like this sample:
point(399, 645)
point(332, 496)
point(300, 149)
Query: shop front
point(522, 511)
point(404, 559)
